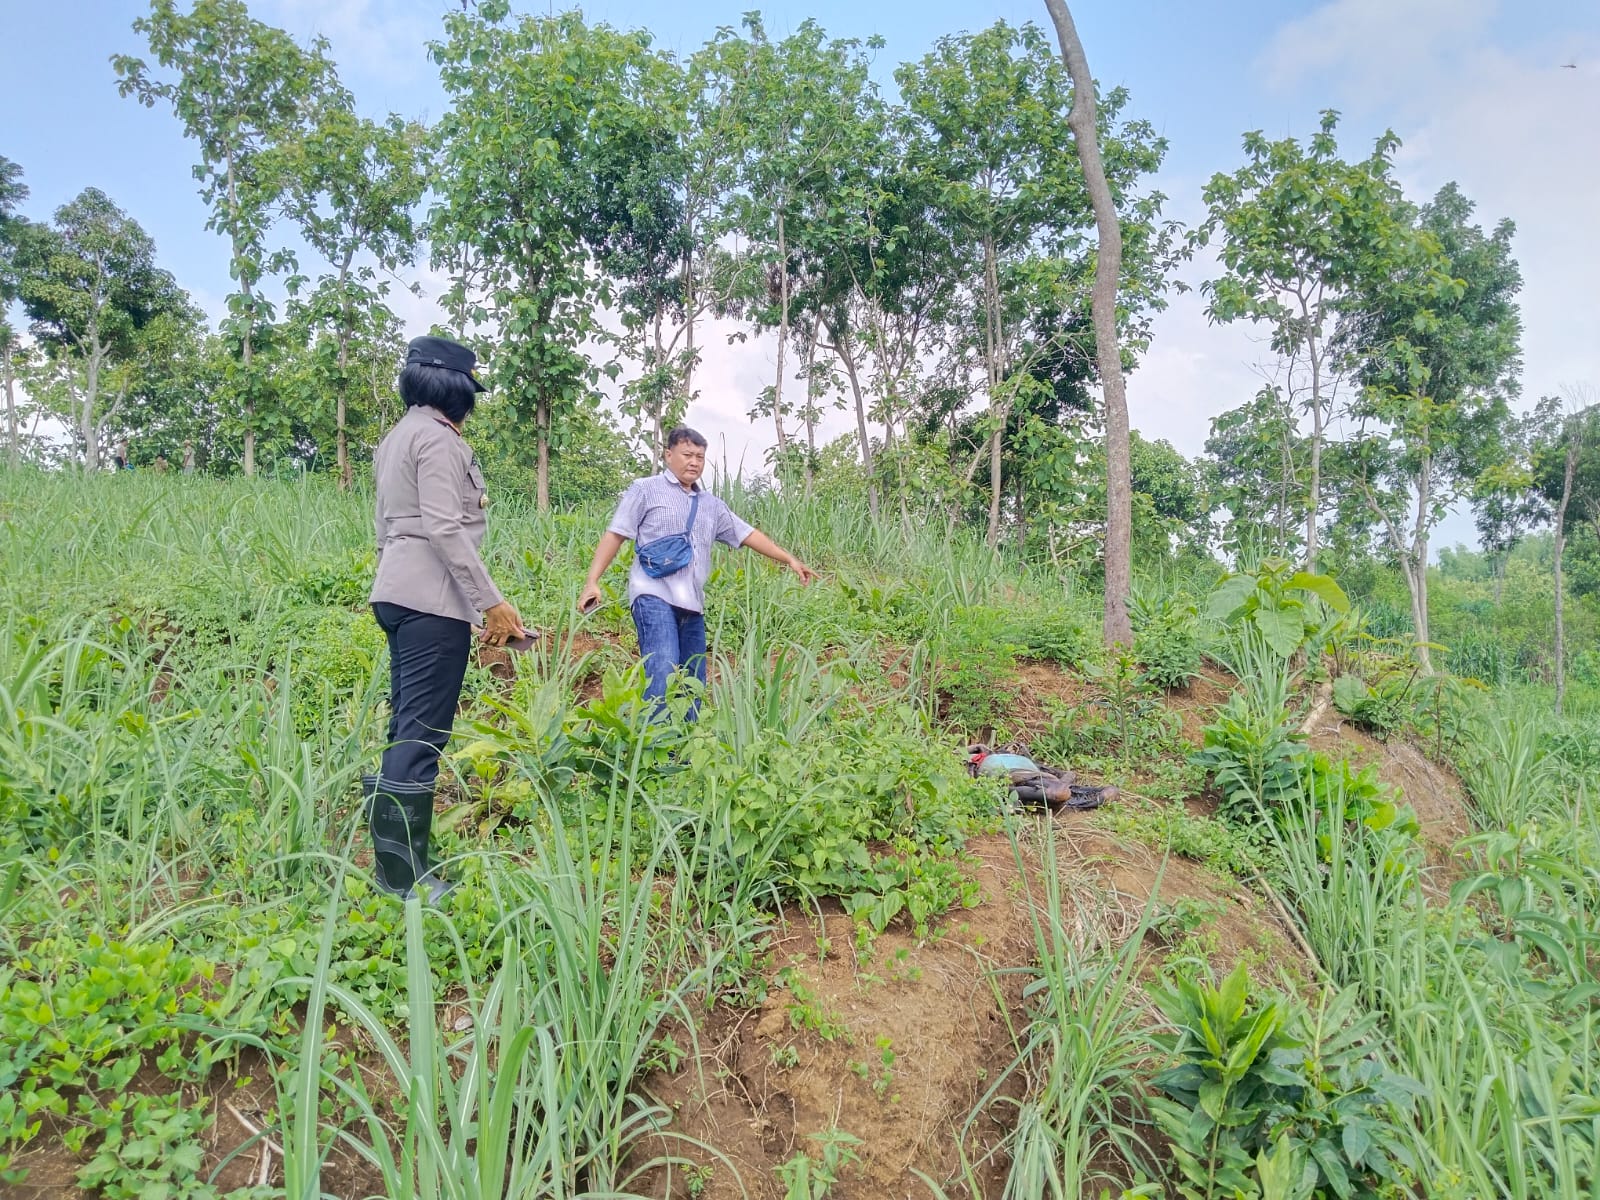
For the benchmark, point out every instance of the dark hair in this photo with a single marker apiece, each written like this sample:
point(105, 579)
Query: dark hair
point(684, 434)
point(449, 391)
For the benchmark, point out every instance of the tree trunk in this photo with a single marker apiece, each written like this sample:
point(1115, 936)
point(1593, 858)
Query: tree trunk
point(87, 427)
point(688, 318)
point(250, 396)
point(541, 421)
point(13, 432)
point(783, 336)
point(342, 443)
point(1108, 268)
point(1416, 572)
point(1021, 518)
point(1568, 469)
point(658, 403)
point(243, 274)
point(841, 345)
point(809, 413)
point(992, 346)
point(1314, 498)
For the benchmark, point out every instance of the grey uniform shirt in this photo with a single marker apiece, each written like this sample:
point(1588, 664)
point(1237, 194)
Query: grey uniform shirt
point(657, 507)
point(430, 520)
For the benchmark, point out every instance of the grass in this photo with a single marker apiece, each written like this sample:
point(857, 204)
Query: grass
point(189, 689)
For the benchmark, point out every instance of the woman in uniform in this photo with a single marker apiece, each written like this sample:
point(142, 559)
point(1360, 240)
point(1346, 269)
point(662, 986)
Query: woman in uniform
point(430, 589)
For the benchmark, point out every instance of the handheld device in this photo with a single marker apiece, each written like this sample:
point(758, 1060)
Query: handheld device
point(521, 644)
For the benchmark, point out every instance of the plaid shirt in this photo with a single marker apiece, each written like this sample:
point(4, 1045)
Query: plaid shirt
point(657, 507)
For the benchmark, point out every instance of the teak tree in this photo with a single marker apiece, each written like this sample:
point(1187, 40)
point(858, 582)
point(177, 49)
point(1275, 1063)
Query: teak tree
point(535, 102)
point(1301, 233)
point(1566, 474)
point(1436, 352)
point(990, 130)
point(103, 310)
point(12, 226)
point(351, 185)
point(241, 89)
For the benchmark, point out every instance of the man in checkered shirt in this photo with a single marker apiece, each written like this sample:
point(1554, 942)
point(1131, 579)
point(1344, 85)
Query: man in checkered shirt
point(669, 612)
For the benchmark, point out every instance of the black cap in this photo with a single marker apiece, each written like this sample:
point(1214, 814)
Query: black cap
point(442, 352)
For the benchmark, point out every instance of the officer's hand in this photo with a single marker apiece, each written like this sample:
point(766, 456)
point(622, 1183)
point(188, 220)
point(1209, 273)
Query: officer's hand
point(589, 599)
point(501, 623)
point(799, 568)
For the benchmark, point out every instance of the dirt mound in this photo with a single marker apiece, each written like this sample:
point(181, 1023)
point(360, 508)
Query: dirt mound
point(895, 1048)
point(1432, 789)
point(898, 1048)
point(1046, 685)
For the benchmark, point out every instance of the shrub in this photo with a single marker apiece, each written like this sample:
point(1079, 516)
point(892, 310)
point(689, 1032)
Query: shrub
point(1264, 1093)
point(1166, 640)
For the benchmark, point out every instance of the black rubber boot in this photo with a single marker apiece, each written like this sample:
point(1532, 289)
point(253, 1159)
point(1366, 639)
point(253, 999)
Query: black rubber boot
point(394, 865)
point(401, 818)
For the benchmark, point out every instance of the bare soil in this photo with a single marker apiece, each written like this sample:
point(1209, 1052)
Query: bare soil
point(947, 1008)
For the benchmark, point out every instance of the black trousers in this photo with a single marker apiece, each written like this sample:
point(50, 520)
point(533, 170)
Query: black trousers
point(427, 663)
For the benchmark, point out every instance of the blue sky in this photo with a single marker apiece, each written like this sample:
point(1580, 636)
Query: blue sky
point(1476, 90)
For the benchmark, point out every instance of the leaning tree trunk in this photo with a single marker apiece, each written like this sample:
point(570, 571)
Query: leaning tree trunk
point(1108, 268)
point(841, 344)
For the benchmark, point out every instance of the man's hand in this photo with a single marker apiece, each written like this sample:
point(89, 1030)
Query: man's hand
point(589, 599)
point(799, 568)
point(502, 622)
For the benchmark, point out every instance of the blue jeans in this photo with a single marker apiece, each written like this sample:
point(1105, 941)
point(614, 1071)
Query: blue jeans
point(670, 639)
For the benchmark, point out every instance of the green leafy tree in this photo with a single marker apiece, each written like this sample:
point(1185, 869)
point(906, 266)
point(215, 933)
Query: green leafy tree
point(339, 362)
point(1171, 496)
point(1506, 502)
point(106, 315)
point(656, 183)
point(810, 137)
point(1258, 458)
point(1436, 351)
point(990, 131)
point(352, 185)
point(1301, 235)
point(1566, 473)
point(242, 89)
point(12, 226)
point(535, 102)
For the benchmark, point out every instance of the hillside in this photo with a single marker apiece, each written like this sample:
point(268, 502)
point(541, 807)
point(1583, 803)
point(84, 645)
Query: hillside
point(795, 949)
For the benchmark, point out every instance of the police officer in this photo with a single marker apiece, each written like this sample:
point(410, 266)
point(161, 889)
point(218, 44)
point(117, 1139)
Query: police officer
point(430, 588)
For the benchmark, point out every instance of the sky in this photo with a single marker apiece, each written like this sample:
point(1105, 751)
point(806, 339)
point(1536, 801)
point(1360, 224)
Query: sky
point(1478, 91)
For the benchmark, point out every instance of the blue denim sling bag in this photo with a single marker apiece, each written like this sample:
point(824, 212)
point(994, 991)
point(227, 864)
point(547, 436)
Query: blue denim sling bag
point(670, 554)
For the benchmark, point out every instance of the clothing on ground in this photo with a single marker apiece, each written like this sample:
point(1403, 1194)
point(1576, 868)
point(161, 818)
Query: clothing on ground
point(658, 506)
point(430, 520)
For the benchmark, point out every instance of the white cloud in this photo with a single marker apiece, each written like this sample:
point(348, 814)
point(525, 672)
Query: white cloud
point(385, 39)
point(1380, 46)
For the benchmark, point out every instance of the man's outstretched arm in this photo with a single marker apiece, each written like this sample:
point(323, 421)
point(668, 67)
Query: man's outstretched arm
point(762, 544)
